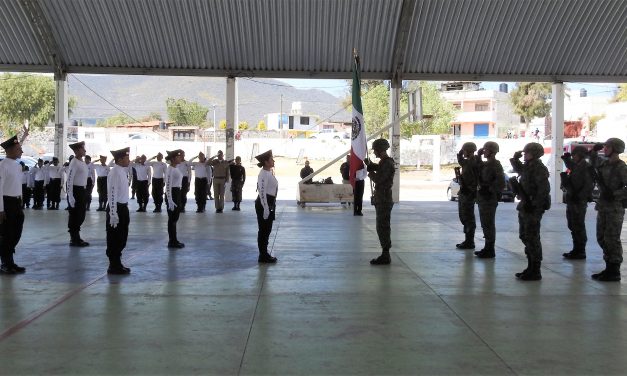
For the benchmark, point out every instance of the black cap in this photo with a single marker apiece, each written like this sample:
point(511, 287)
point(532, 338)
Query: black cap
point(120, 153)
point(10, 142)
point(77, 145)
point(173, 153)
point(263, 157)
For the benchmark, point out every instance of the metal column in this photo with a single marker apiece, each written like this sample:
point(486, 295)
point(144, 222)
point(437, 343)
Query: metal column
point(557, 142)
point(60, 116)
point(231, 117)
point(395, 134)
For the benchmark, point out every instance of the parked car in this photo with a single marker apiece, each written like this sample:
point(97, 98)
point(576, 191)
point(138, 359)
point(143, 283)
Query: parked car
point(328, 134)
point(507, 195)
point(28, 161)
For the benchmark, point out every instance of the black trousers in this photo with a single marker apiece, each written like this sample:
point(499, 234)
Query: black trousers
point(117, 237)
point(11, 228)
point(157, 191)
point(77, 212)
point(89, 190)
point(358, 195)
point(173, 214)
point(265, 225)
point(54, 191)
point(142, 192)
point(200, 192)
point(39, 193)
point(184, 190)
point(101, 186)
point(26, 195)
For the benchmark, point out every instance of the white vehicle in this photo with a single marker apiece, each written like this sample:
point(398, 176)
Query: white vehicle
point(329, 134)
point(143, 136)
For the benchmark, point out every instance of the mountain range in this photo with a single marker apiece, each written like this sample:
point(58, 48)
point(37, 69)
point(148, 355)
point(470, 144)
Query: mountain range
point(102, 96)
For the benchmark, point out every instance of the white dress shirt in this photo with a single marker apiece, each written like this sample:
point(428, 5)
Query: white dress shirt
point(266, 185)
point(185, 168)
point(76, 176)
point(117, 190)
point(200, 169)
point(101, 170)
point(91, 172)
point(173, 179)
point(158, 169)
point(143, 171)
point(10, 180)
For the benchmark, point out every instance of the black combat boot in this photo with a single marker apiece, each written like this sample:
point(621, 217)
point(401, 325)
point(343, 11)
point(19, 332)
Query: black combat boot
point(265, 258)
point(76, 241)
point(575, 254)
point(600, 274)
point(16, 268)
point(533, 273)
point(157, 209)
point(384, 259)
point(6, 266)
point(610, 274)
point(487, 251)
point(519, 275)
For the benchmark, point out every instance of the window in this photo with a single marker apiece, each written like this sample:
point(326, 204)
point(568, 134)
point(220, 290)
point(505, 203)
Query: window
point(457, 106)
point(291, 124)
point(304, 120)
point(89, 135)
point(482, 107)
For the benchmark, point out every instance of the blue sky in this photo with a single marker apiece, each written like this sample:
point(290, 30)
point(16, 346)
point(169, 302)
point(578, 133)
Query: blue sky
point(339, 88)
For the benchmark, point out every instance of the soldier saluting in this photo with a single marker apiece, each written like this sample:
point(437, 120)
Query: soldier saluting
point(533, 191)
point(467, 192)
point(382, 174)
point(76, 194)
point(577, 186)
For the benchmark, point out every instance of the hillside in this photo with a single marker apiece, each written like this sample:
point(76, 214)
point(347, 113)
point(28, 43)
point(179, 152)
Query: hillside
point(141, 95)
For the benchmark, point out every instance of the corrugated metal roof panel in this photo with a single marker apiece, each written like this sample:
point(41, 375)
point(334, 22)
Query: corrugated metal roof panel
point(447, 39)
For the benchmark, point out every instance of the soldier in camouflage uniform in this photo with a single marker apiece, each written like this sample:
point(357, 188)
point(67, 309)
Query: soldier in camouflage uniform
point(577, 186)
point(611, 176)
point(534, 194)
point(491, 184)
point(467, 193)
point(382, 174)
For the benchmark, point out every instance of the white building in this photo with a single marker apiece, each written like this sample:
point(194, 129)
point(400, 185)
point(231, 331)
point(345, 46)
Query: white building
point(294, 120)
point(482, 113)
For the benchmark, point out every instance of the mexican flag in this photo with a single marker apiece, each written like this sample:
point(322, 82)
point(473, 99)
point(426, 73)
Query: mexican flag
point(359, 149)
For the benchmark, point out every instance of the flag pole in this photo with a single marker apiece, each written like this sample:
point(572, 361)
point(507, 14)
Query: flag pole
point(358, 72)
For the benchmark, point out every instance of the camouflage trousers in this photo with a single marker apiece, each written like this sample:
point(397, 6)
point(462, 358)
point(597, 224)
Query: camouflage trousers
point(384, 212)
point(529, 233)
point(487, 216)
point(609, 226)
point(576, 219)
point(466, 206)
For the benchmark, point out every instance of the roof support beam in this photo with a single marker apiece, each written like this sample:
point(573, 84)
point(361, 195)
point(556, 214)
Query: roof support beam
point(42, 29)
point(557, 141)
point(405, 21)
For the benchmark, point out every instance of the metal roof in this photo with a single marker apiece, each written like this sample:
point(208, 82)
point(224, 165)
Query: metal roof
point(533, 40)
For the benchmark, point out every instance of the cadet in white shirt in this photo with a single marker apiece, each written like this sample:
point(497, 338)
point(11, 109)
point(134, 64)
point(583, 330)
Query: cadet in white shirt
point(143, 173)
point(53, 182)
point(102, 170)
point(27, 186)
point(158, 171)
point(200, 181)
point(11, 213)
point(186, 170)
point(91, 179)
point(173, 184)
point(265, 204)
point(117, 211)
point(39, 177)
point(75, 186)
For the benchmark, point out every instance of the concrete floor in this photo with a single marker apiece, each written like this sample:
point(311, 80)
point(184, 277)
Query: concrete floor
point(211, 309)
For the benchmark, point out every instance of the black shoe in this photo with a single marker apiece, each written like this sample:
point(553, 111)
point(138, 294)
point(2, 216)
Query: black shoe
point(266, 259)
point(235, 208)
point(572, 255)
point(7, 269)
point(176, 245)
point(381, 260)
point(610, 274)
point(199, 211)
point(79, 243)
point(532, 273)
point(157, 211)
point(210, 198)
point(358, 214)
point(18, 269)
point(218, 210)
point(465, 245)
point(182, 210)
point(485, 254)
point(118, 270)
point(100, 209)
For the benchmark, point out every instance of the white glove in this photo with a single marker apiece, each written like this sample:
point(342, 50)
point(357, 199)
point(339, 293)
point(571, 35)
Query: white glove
point(266, 213)
point(171, 204)
point(114, 220)
point(71, 201)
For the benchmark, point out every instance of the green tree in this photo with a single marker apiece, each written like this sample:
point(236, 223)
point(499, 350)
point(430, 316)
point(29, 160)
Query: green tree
point(183, 112)
point(261, 125)
point(222, 124)
point(115, 120)
point(375, 103)
point(531, 99)
point(151, 116)
point(621, 95)
point(243, 125)
point(27, 97)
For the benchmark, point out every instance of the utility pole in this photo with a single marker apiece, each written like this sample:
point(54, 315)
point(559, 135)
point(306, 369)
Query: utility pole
point(215, 126)
point(281, 115)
